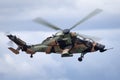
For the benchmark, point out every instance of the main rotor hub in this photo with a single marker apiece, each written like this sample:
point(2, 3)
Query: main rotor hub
point(66, 31)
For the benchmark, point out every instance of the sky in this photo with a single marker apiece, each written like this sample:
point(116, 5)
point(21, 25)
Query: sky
point(16, 17)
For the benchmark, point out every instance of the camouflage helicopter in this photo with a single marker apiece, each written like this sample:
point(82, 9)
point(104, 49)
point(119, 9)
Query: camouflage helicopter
point(63, 42)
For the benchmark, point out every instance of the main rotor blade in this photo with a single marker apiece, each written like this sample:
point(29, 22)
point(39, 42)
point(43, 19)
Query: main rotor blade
point(43, 22)
point(89, 37)
point(95, 12)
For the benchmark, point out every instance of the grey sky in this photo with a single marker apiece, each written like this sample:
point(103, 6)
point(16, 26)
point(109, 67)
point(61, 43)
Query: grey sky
point(17, 15)
point(43, 67)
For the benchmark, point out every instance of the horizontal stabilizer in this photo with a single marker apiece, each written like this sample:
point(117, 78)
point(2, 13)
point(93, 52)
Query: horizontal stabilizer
point(13, 50)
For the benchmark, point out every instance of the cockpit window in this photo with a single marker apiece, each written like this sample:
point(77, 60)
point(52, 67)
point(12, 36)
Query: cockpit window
point(59, 33)
point(84, 38)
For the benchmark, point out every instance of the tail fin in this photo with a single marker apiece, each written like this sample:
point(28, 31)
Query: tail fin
point(21, 45)
point(16, 40)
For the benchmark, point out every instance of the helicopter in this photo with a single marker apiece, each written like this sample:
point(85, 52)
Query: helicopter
point(80, 43)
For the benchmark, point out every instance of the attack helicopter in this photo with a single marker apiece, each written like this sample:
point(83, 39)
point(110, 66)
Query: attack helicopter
point(80, 43)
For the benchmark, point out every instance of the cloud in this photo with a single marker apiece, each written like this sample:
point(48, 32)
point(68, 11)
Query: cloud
point(53, 67)
point(21, 66)
point(108, 6)
point(28, 9)
point(18, 15)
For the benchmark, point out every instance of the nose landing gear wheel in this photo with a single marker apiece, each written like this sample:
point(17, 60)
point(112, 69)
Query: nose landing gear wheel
point(80, 59)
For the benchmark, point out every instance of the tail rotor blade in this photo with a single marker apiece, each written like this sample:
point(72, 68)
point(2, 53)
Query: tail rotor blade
point(7, 33)
point(10, 43)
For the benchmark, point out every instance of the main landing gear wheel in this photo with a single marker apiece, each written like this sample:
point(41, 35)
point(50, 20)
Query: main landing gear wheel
point(80, 59)
point(31, 56)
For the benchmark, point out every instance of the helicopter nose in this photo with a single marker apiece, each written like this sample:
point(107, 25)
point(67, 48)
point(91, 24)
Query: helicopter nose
point(99, 47)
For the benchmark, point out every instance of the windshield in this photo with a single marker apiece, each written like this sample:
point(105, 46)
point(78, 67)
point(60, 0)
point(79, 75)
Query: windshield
point(59, 33)
point(84, 38)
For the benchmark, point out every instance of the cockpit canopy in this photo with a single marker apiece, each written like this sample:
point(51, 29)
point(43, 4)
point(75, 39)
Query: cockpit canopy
point(84, 38)
point(60, 33)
